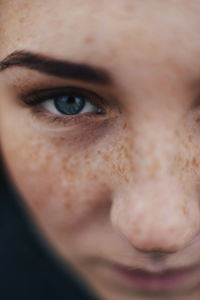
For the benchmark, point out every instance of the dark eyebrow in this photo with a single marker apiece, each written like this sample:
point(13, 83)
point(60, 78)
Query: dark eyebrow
point(59, 68)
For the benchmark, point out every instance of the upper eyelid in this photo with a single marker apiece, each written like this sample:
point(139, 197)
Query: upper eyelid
point(38, 96)
point(104, 97)
point(24, 86)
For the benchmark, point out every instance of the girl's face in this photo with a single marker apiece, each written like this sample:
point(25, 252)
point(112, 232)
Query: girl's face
point(100, 131)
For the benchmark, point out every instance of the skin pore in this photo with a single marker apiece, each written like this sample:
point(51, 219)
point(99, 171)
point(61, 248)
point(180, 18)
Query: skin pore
point(122, 186)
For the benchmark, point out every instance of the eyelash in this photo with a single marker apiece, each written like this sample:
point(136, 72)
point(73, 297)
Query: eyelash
point(35, 99)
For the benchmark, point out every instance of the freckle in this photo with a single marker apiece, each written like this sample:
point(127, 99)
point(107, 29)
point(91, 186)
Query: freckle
point(92, 177)
point(126, 178)
point(126, 153)
point(190, 138)
point(89, 40)
point(68, 206)
point(137, 230)
point(194, 162)
point(106, 157)
point(132, 168)
point(172, 230)
point(124, 126)
point(21, 20)
point(119, 168)
point(187, 164)
point(177, 133)
point(86, 156)
point(129, 8)
point(103, 185)
point(185, 209)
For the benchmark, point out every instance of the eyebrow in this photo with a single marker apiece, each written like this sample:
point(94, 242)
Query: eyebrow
point(59, 68)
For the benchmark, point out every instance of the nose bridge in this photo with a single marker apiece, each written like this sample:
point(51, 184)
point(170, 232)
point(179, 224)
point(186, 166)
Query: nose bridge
point(156, 150)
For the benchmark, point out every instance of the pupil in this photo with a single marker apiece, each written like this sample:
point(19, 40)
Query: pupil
point(69, 105)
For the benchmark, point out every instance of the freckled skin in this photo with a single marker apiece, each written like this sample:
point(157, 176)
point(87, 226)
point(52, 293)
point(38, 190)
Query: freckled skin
point(122, 183)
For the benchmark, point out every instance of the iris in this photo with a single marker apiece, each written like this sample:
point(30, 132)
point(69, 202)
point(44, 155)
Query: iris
point(69, 104)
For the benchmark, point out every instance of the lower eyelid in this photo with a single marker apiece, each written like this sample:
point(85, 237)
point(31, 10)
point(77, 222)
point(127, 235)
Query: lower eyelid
point(60, 121)
point(38, 97)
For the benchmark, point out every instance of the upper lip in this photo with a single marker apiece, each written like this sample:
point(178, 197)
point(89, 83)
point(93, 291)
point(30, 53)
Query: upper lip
point(150, 269)
point(155, 271)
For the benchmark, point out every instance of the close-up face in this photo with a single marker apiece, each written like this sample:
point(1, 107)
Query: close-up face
point(100, 133)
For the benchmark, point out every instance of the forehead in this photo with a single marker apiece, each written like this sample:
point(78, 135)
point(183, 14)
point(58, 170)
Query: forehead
point(115, 32)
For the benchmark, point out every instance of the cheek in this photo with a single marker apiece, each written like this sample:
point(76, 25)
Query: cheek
point(64, 186)
point(188, 163)
point(60, 187)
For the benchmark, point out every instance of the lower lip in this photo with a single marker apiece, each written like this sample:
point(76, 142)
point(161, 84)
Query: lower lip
point(168, 281)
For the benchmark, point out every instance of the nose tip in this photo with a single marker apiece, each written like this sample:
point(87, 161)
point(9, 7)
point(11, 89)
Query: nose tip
point(158, 242)
point(153, 220)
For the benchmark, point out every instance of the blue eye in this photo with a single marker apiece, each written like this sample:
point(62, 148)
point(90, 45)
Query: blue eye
point(70, 104)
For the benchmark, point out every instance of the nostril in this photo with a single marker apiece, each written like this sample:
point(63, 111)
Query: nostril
point(155, 254)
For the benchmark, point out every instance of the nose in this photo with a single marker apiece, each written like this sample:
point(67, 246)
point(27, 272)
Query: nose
point(156, 216)
point(159, 213)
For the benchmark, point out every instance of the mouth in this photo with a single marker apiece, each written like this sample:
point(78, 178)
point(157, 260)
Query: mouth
point(164, 281)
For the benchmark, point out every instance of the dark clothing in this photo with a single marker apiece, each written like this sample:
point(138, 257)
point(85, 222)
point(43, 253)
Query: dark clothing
point(27, 269)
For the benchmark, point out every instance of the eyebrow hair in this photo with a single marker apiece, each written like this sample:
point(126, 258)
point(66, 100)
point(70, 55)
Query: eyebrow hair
point(59, 68)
